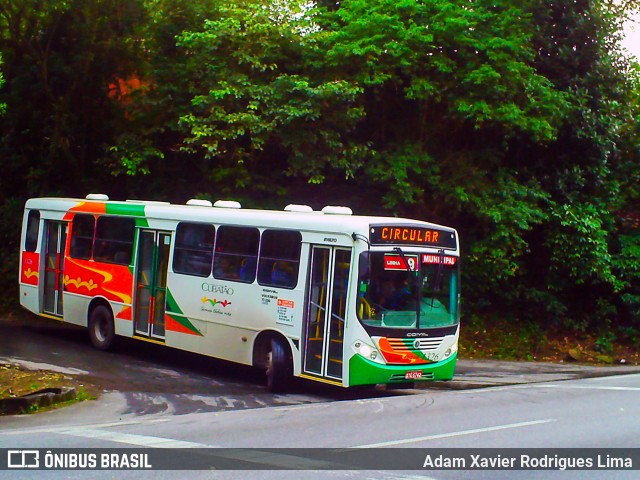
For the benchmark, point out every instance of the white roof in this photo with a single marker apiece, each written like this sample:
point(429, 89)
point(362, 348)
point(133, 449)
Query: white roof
point(334, 219)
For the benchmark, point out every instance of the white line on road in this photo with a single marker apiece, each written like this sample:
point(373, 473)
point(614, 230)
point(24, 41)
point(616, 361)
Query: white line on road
point(27, 431)
point(457, 434)
point(589, 387)
point(256, 456)
point(131, 439)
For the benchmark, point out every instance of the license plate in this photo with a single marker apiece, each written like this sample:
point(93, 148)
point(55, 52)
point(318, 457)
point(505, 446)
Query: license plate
point(413, 375)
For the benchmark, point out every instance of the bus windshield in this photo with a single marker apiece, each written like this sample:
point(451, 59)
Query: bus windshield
point(407, 290)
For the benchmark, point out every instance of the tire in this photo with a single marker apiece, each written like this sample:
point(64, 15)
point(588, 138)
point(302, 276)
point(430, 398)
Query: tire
point(279, 367)
point(101, 328)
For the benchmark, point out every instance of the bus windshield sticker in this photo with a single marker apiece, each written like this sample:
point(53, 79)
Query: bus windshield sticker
point(395, 262)
point(435, 259)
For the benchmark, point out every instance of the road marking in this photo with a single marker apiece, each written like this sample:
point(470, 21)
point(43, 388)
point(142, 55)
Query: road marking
point(131, 439)
point(589, 387)
point(27, 431)
point(43, 366)
point(456, 434)
point(252, 455)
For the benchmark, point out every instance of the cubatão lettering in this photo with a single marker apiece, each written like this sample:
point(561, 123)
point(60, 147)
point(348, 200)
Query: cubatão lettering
point(413, 235)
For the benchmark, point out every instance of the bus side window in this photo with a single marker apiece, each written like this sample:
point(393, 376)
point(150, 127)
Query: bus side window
point(279, 258)
point(236, 253)
point(114, 240)
point(33, 229)
point(82, 231)
point(193, 252)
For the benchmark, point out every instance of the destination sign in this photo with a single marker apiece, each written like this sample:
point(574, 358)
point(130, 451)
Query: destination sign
point(409, 235)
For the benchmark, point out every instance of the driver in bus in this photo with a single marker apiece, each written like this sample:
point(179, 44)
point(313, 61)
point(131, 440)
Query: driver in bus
point(394, 293)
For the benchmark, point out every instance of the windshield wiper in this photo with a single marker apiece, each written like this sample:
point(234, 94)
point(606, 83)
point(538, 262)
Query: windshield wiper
point(416, 283)
point(404, 259)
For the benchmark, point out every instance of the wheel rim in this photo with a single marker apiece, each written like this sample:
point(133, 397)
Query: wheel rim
point(101, 330)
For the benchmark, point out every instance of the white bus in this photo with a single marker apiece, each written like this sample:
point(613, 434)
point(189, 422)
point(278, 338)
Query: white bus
point(325, 295)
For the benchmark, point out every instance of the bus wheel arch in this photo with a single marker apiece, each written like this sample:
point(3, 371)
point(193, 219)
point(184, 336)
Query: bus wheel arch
point(101, 325)
point(272, 352)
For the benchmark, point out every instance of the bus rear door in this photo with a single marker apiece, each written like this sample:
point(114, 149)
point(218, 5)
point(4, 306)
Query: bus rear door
point(55, 239)
point(151, 283)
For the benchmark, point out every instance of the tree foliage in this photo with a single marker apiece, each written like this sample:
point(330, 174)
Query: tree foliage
point(517, 122)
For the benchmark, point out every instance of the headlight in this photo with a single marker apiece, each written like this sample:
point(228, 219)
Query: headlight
point(365, 350)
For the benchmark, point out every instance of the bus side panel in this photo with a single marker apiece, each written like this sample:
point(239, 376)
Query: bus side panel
point(76, 308)
point(86, 279)
point(29, 274)
point(123, 319)
point(222, 318)
point(95, 279)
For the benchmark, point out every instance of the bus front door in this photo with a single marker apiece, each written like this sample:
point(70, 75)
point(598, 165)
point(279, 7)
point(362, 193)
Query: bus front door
point(325, 312)
point(55, 239)
point(151, 283)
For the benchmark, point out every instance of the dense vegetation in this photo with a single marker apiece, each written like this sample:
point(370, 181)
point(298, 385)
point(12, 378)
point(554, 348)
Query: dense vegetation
point(515, 121)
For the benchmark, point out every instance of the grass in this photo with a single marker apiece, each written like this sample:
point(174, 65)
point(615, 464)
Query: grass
point(16, 381)
point(512, 339)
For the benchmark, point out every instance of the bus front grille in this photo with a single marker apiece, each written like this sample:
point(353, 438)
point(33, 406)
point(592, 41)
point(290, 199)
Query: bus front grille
point(425, 344)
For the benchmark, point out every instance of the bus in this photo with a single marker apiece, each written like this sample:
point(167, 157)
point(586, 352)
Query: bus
point(324, 295)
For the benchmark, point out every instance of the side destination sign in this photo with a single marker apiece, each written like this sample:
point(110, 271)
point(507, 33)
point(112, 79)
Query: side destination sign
point(411, 235)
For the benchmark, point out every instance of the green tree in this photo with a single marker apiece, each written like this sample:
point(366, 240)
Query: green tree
point(262, 105)
point(588, 170)
point(3, 106)
point(63, 62)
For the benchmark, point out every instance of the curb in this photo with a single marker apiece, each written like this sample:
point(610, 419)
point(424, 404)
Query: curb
point(41, 398)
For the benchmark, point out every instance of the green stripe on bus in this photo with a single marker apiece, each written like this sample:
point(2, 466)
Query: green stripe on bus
point(175, 312)
point(172, 305)
point(185, 322)
point(133, 209)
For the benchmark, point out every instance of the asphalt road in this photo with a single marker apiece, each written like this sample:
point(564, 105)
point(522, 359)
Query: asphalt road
point(161, 398)
point(146, 379)
point(581, 414)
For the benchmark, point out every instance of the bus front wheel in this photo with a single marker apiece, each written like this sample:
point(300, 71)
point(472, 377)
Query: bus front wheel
point(101, 328)
point(279, 367)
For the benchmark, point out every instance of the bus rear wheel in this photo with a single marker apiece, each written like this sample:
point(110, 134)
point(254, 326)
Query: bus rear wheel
point(101, 328)
point(279, 367)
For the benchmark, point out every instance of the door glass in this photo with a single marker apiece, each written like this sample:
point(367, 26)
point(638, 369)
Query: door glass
point(61, 247)
point(54, 257)
point(316, 311)
point(145, 277)
point(161, 284)
point(338, 311)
